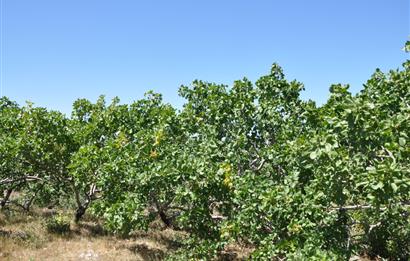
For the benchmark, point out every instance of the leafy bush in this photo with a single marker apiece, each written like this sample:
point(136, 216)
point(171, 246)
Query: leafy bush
point(58, 224)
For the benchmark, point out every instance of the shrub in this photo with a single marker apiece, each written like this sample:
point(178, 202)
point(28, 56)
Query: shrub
point(58, 224)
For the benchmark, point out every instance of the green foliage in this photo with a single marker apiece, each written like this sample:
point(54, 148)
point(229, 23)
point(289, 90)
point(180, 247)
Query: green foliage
point(407, 47)
point(35, 150)
point(251, 164)
point(58, 224)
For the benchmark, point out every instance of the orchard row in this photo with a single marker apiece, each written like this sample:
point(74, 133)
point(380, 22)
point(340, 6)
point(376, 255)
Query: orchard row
point(250, 164)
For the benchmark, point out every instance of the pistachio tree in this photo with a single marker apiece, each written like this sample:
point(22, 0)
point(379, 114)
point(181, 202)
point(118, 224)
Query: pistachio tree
point(36, 150)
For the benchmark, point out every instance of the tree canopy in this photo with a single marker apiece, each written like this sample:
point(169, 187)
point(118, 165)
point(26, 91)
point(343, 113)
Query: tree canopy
point(250, 164)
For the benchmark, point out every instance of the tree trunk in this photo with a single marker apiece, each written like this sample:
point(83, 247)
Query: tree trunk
point(165, 219)
point(5, 198)
point(79, 213)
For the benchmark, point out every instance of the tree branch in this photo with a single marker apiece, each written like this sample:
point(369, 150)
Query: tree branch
point(359, 207)
point(25, 178)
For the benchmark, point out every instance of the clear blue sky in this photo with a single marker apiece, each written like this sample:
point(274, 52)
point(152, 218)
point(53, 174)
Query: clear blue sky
point(57, 51)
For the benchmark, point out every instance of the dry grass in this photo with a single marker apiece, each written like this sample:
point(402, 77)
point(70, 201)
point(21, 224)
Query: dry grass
point(24, 237)
point(72, 249)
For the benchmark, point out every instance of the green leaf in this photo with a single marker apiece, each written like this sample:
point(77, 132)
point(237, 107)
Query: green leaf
point(394, 187)
point(407, 47)
point(402, 141)
point(377, 186)
point(328, 147)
